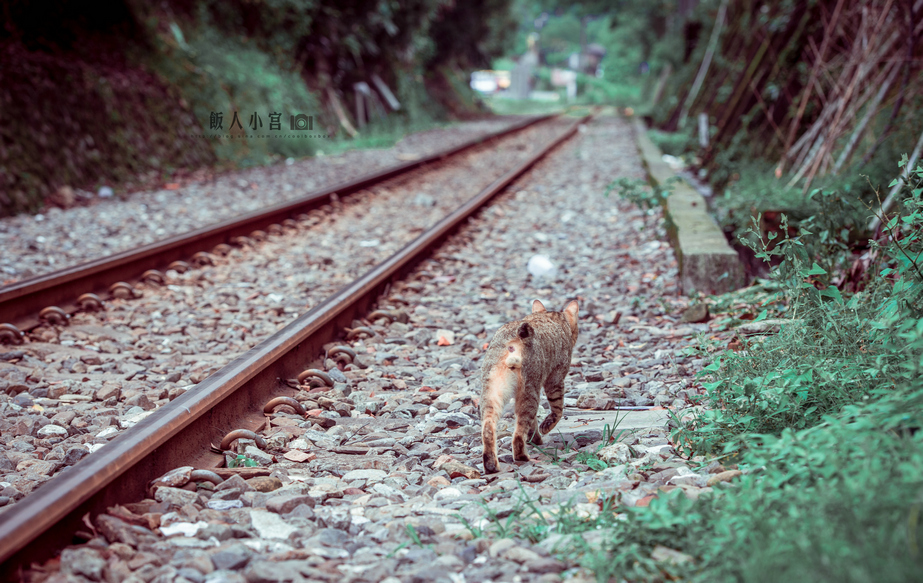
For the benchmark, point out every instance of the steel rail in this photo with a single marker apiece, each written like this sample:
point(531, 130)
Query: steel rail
point(21, 302)
point(180, 431)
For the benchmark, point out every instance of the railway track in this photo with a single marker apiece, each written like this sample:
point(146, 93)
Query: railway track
point(181, 432)
point(54, 297)
point(74, 386)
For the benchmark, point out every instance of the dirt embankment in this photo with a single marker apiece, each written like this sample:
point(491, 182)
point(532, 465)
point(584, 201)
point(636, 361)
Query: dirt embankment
point(68, 122)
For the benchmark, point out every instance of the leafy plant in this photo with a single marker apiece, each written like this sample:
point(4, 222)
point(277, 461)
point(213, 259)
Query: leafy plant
point(242, 461)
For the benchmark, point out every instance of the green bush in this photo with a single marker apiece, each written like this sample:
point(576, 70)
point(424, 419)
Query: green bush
point(832, 350)
point(220, 73)
point(839, 502)
point(673, 143)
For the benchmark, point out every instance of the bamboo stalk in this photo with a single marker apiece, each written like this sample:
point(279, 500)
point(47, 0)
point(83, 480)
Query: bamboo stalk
point(809, 157)
point(864, 55)
point(861, 65)
point(913, 33)
point(870, 111)
point(897, 187)
point(793, 128)
point(706, 63)
point(765, 109)
point(742, 86)
point(341, 114)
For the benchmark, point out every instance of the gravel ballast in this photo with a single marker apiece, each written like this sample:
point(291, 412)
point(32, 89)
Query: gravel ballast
point(394, 490)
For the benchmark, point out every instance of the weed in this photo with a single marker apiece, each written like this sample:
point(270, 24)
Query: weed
point(414, 537)
point(640, 192)
point(591, 460)
point(476, 531)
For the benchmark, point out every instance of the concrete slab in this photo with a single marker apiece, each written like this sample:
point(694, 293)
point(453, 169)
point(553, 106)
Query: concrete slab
point(707, 264)
point(582, 419)
point(586, 427)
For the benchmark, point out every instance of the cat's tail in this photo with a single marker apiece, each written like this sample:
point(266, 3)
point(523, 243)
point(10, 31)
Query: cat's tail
point(515, 346)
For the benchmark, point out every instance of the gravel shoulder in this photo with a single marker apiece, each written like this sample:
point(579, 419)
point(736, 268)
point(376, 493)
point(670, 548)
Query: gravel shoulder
point(393, 490)
point(36, 244)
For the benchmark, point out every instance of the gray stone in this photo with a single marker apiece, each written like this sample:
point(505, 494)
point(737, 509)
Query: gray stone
point(617, 453)
point(232, 557)
point(285, 504)
point(337, 376)
point(336, 517)
point(274, 571)
point(301, 511)
point(74, 455)
point(23, 399)
point(83, 561)
point(258, 455)
point(234, 482)
point(175, 496)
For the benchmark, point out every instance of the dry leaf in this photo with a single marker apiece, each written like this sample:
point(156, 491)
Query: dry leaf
point(299, 456)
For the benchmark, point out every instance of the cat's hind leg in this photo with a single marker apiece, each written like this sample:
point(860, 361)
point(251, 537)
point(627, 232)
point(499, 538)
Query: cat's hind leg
point(527, 399)
point(496, 393)
point(554, 390)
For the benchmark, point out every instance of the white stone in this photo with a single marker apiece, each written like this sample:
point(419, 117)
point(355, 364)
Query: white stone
point(299, 444)
point(133, 420)
point(541, 266)
point(371, 476)
point(447, 494)
point(224, 504)
point(107, 432)
point(270, 525)
point(617, 453)
point(183, 528)
point(448, 335)
point(267, 546)
point(52, 430)
point(193, 543)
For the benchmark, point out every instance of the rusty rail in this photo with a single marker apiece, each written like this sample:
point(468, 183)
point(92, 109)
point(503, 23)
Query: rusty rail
point(21, 302)
point(178, 433)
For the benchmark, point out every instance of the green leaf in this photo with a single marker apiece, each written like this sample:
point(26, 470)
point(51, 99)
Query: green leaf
point(762, 316)
point(832, 292)
point(817, 270)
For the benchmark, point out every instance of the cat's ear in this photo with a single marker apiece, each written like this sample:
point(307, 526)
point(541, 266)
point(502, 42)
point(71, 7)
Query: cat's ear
point(570, 312)
point(537, 307)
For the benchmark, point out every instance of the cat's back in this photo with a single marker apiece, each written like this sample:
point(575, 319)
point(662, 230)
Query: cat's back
point(551, 330)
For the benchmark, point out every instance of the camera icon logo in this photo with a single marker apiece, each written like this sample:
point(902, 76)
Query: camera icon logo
point(302, 122)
